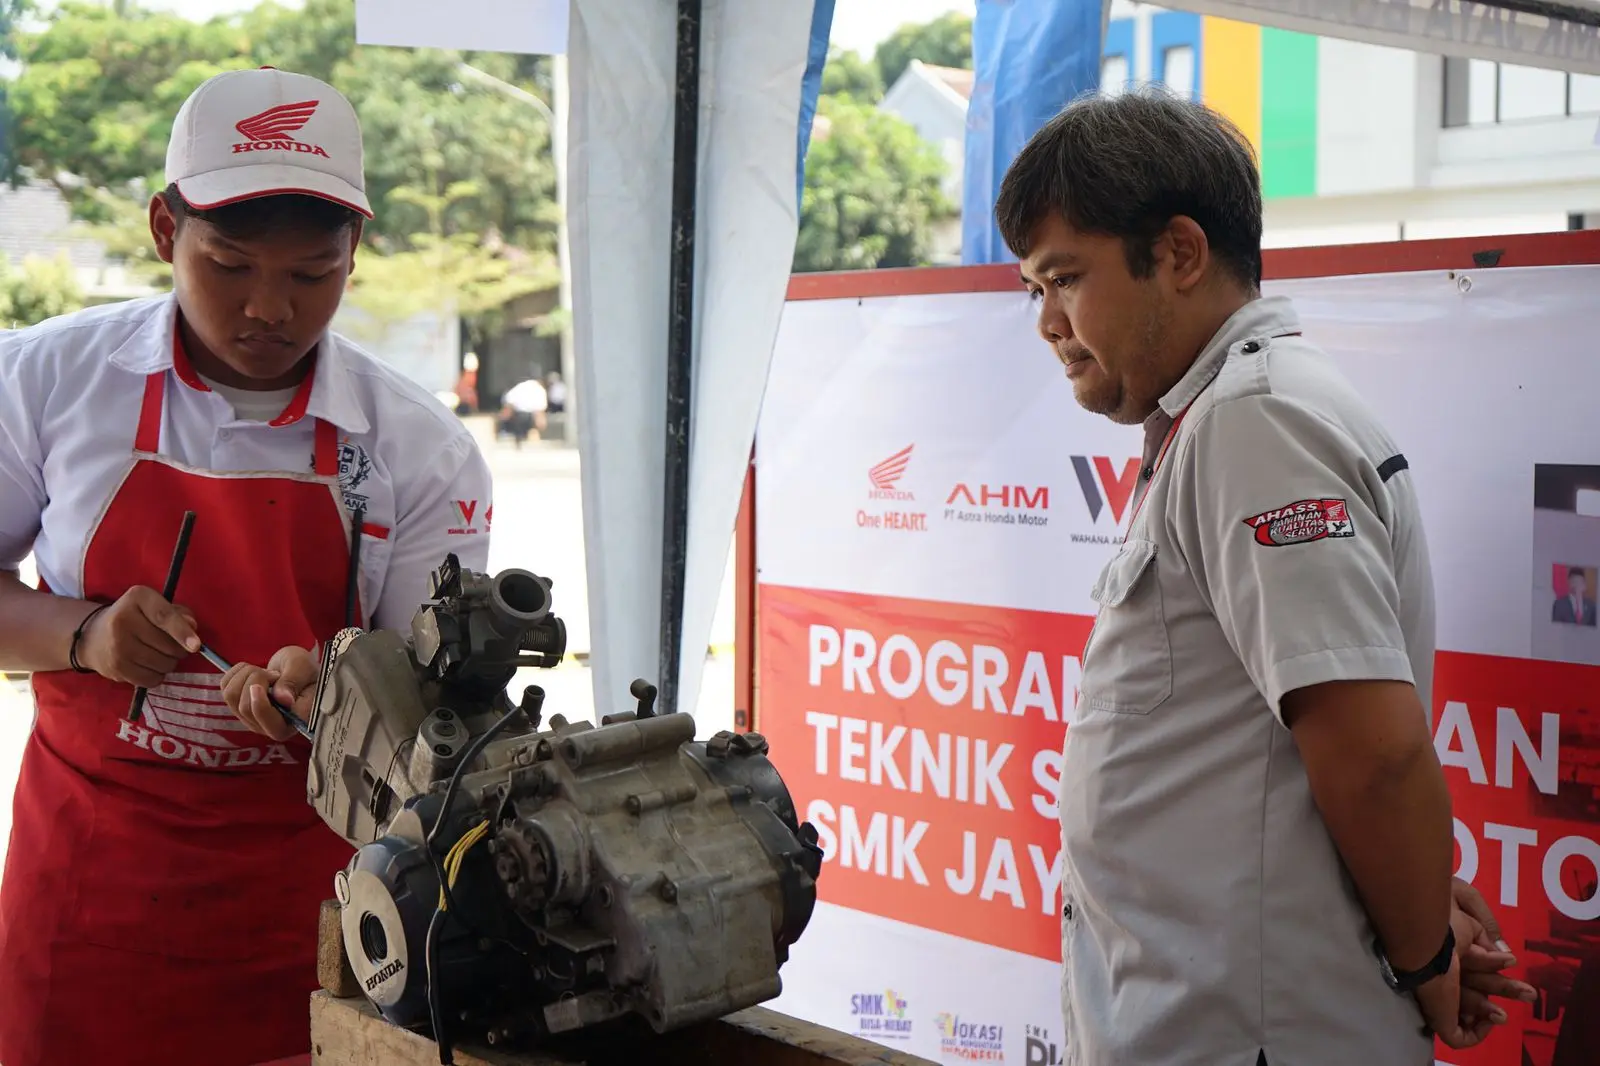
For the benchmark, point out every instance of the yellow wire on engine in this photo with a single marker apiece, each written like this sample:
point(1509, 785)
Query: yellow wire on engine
point(458, 853)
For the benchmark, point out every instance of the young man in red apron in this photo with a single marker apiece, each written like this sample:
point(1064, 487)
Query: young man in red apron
point(159, 901)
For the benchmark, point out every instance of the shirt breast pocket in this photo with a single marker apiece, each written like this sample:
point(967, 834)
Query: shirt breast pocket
point(377, 545)
point(1127, 668)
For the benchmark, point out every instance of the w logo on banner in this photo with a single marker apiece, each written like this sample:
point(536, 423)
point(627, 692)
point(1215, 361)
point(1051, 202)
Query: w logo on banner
point(1102, 487)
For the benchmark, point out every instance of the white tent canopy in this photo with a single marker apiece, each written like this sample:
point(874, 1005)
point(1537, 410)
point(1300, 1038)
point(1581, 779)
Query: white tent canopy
point(1558, 34)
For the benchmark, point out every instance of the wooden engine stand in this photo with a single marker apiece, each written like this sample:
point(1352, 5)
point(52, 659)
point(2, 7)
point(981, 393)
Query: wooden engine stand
point(347, 1031)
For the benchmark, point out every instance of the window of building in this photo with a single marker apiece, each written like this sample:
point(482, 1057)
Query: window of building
point(1113, 74)
point(1479, 92)
point(1177, 69)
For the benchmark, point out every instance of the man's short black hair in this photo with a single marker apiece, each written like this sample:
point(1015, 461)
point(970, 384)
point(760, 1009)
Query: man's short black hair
point(246, 219)
point(1126, 165)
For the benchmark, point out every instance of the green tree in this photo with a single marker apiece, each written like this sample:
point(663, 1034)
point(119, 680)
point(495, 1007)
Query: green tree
point(93, 103)
point(121, 225)
point(872, 191)
point(462, 273)
point(847, 74)
point(944, 42)
point(94, 100)
point(41, 289)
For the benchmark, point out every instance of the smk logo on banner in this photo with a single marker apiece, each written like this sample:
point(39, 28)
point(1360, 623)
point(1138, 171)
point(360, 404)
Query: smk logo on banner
point(965, 1041)
point(881, 1016)
point(885, 477)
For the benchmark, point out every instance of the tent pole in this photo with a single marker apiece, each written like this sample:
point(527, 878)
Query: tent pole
point(680, 350)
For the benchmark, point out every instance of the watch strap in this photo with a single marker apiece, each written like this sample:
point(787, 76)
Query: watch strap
point(1438, 966)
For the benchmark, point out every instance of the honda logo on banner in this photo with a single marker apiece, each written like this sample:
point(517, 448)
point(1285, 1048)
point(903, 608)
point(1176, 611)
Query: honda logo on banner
point(1103, 487)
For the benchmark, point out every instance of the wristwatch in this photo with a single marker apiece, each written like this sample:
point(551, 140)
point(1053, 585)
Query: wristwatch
point(1404, 981)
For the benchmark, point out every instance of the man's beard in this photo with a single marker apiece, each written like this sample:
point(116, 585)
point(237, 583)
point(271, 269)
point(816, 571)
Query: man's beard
point(1129, 402)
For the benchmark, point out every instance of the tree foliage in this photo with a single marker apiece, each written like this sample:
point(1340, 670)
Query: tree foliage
point(96, 94)
point(848, 74)
point(39, 289)
point(447, 272)
point(872, 191)
point(460, 175)
point(944, 42)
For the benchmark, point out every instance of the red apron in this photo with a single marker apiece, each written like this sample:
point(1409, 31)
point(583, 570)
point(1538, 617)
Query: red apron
point(161, 887)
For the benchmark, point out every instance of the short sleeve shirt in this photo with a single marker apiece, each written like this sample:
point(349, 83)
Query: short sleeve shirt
point(70, 394)
point(1278, 544)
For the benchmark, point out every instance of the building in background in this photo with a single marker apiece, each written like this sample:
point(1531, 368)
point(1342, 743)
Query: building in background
point(36, 223)
point(933, 100)
point(1357, 142)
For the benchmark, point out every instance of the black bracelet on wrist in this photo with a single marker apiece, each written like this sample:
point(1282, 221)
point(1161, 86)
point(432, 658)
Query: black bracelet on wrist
point(77, 637)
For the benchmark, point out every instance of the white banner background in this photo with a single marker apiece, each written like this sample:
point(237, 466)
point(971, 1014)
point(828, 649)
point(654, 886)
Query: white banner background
point(1480, 375)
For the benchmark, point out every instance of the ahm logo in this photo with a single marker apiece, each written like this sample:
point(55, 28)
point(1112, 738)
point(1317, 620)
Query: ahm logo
point(1102, 486)
point(889, 472)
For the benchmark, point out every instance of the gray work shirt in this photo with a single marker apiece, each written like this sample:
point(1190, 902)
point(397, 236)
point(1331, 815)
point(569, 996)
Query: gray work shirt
point(1206, 914)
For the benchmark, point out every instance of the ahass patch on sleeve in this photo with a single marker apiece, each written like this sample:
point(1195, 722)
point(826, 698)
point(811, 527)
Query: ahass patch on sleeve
point(1302, 522)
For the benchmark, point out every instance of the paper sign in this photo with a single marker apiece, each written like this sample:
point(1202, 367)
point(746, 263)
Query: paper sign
point(530, 27)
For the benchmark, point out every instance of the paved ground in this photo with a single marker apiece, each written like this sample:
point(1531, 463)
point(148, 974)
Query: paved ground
point(538, 525)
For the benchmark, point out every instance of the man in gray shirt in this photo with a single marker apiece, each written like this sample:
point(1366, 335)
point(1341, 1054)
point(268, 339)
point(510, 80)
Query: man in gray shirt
point(1257, 833)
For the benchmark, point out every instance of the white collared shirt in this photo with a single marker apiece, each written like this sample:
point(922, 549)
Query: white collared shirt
point(1207, 917)
point(70, 393)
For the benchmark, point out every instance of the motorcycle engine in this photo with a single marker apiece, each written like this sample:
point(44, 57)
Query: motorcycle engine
point(512, 882)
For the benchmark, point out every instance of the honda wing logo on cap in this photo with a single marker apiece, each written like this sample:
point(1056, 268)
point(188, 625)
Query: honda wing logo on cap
point(270, 130)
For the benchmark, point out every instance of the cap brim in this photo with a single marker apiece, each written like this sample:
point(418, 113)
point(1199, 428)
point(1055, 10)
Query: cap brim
point(222, 187)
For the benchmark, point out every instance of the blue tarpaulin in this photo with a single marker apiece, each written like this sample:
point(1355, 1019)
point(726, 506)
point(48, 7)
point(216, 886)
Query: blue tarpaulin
point(811, 87)
point(1030, 57)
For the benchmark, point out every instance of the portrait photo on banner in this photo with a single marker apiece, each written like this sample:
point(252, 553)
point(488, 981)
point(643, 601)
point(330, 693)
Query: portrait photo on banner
point(1566, 558)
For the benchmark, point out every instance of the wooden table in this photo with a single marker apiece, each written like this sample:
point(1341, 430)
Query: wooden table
point(348, 1032)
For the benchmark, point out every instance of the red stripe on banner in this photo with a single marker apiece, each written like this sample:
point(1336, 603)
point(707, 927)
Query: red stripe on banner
point(923, 740)
point(1326, 261)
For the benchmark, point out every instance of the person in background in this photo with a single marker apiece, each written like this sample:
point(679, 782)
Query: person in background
point(467, 386)
point(522, 411)
point(556, 389)
point(162, 883)
point(1257, 834)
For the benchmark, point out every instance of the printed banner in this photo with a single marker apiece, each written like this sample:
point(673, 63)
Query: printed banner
point(932, 510)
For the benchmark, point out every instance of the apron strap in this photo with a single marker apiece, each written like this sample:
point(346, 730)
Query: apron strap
point(148, 437)
point(326, 451)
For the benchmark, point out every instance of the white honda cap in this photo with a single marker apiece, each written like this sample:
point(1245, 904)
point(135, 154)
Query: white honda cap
point(266, 132)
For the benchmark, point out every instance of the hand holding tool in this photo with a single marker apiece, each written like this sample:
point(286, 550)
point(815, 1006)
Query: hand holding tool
point(174, 570)
point(288, 716)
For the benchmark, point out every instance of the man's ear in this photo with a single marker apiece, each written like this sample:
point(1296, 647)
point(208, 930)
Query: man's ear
point(163, 228)
point(355, 242)
point(1190, 251)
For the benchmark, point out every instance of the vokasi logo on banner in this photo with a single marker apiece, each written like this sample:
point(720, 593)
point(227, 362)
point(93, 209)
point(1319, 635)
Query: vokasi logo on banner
point(969, 1041)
